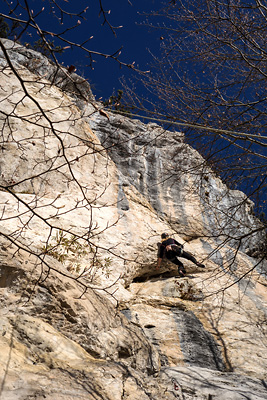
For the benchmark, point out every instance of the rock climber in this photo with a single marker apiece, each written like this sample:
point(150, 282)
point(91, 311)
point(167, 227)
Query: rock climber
point(172, 249)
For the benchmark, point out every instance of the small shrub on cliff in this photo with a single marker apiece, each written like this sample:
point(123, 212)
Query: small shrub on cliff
point(72, 252)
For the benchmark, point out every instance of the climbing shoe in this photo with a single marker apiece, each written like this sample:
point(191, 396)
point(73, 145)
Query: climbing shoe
point(200, 265)
point(182, 273)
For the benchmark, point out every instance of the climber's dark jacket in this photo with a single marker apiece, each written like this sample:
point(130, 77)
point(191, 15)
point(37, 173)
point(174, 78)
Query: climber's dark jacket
point(168, 254)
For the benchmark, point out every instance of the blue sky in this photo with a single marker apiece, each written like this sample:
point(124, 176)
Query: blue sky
point(136, 39)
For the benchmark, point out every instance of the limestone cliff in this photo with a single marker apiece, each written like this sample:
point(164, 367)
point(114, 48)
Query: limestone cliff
point(85, 195)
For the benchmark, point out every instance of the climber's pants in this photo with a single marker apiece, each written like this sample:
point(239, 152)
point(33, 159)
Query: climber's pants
point(185, 255)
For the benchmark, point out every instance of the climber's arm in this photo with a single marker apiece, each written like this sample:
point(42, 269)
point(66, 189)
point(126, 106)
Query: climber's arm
point(158, 263)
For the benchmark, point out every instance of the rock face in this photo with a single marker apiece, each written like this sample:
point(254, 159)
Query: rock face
point(177, 181)
point(43, 68)
point(85, 314)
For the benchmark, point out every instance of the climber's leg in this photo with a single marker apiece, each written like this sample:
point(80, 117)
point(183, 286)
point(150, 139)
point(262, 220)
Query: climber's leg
point(181, 268)
point(190, 257)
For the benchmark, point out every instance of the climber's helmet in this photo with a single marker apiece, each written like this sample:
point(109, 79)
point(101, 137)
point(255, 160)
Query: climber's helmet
point(164, 235)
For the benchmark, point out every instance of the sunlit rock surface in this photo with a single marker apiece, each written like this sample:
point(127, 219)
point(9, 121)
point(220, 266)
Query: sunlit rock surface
point(175, 179)
point(144, 333)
